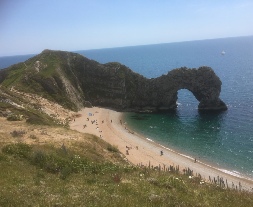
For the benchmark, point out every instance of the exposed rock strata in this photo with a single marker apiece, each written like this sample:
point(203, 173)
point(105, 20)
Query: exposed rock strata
point(114, 85)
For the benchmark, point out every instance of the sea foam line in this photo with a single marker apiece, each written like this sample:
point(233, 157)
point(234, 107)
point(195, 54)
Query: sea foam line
point(150, 140)
point(233, 173)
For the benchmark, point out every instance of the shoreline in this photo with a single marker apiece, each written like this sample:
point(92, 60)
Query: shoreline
point(223, 170)
point(206, 163)
point(108, 125)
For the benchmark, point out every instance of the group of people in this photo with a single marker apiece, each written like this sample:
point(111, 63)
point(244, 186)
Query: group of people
point(93, 122)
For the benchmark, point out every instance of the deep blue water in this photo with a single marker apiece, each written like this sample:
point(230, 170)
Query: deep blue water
point(224, 139)
point(10, 60)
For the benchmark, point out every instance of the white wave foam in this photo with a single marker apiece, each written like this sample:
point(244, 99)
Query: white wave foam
point(150, 140)
point(234, 173)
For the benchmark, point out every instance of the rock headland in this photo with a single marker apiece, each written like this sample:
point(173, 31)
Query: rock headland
point(75, 81)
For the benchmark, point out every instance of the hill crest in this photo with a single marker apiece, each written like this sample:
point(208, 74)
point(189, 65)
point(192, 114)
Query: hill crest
point(74, 81)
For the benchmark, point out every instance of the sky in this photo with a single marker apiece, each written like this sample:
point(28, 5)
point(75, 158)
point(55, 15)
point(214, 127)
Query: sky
point(30, 26)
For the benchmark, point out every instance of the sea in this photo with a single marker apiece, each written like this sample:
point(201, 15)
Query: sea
point(223, 140)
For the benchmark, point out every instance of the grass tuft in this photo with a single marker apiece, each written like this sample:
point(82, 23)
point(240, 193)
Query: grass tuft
point(112, 148)
point(20, 150)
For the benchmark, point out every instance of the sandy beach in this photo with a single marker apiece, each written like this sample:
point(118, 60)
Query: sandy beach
point(108, 125)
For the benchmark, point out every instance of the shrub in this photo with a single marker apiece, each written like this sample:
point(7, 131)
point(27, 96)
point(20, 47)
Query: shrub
point(20, 150)
point(65, 172)
point(17, 133)
point(52, 167)
point(14, 117)
point(39, 159)
point(112, 148)
point(2, 157)
point(37, 120)
point(49, 162)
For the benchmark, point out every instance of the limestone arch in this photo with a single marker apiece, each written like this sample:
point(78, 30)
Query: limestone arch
point(202, 83)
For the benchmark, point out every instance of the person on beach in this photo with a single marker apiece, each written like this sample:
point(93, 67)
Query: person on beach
point(161, 152)
point(195, 160)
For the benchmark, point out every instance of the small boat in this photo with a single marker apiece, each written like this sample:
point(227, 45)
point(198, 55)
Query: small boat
point(223, 52)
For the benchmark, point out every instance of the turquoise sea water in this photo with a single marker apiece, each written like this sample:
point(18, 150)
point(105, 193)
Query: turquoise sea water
point(224, 139)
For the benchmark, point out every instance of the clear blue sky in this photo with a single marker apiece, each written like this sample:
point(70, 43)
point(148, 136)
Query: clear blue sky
point(30, 26)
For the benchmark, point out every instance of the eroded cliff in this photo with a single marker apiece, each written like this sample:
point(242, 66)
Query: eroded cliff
point(73, 80)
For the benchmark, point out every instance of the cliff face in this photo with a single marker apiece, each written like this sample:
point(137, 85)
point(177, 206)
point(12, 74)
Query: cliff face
point(202, 82)
point(75, 81)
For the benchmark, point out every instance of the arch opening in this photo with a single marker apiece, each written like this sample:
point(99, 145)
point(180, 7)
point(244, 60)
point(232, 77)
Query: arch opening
point(186, 100)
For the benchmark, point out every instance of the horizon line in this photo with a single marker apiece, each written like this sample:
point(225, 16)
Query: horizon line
point(104, 48)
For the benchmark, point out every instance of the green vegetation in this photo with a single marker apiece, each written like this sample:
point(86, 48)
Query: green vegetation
point(112, 148)
point(14, 117)
point(40, 75)
point(50, 176)
point(57, 161)
point(32, 116)
point(86, 171)
point(13, 113)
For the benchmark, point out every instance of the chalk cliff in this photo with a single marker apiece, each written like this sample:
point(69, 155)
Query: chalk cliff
point(75, 81)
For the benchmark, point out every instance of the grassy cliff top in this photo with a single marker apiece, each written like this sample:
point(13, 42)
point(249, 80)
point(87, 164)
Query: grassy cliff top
point(55, 166)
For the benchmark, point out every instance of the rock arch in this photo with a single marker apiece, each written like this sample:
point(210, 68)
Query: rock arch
point(202, 82)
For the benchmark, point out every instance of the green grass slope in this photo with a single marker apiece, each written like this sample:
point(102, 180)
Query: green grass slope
point(51, 176)
point(47, 75)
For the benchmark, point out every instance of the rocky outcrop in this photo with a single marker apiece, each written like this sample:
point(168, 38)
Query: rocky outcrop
point(81, 81)
point(118, 87)
point(202, 82)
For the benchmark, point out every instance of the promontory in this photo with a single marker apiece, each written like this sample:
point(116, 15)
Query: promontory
point(75, 81)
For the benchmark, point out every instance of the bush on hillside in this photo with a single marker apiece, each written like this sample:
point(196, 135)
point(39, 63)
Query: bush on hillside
point(20, 150)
